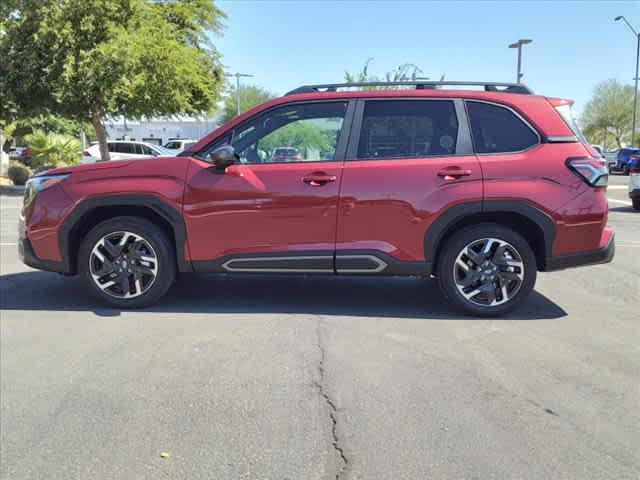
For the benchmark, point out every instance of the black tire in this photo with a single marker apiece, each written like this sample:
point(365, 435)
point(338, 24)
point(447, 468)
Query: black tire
point(154, 236)
point(625, 170)
point(467, 236)
point(636, 203)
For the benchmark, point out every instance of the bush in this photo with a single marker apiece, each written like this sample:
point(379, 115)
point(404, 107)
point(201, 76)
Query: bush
point(52, 149)
point(19, 173)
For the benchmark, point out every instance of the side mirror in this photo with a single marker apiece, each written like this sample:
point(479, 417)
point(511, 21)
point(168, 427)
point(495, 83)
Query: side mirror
point(223, 156)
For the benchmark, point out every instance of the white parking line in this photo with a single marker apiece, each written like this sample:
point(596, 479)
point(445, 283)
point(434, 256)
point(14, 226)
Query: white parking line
point(623, 202)
point(617, 187)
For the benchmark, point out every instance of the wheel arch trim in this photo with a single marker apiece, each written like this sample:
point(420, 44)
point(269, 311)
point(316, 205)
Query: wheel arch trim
point(159, 206)
point(455, 214)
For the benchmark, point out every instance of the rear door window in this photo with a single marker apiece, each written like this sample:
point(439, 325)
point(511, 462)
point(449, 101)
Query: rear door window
point(407, 129)
point(122, 147)
point(497, 129)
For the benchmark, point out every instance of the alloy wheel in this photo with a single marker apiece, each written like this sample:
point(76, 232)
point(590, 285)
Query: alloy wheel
point(123, 264)
point(488, 272)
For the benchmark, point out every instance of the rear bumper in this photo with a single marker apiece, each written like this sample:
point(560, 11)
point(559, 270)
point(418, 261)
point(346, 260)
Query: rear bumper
point(593, 257)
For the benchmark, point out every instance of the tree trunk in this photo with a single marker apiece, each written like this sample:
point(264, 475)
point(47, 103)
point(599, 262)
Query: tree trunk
point(101, 133)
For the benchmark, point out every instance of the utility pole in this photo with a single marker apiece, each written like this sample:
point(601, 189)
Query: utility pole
point(635, 89)
point(83, 137)
point(238, 75)
point(518, 45)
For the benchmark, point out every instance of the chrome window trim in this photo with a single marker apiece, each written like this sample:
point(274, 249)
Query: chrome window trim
point(561, 139)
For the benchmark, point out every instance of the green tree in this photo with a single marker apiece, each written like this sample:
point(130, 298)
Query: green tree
point(47, 123)
point(250, 96)
point(52, 150)
point(89, 59)
point(608, 113)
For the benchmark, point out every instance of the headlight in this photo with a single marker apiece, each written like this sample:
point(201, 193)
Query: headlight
point(37, 184)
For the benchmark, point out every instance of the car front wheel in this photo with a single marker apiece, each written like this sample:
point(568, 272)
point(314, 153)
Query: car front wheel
point(486, 270)
point(127, 262)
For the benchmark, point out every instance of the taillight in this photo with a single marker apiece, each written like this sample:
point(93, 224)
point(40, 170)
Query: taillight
point(634, 168)
point(591, 170)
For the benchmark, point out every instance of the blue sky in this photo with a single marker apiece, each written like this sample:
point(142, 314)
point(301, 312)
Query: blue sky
point(289, 43)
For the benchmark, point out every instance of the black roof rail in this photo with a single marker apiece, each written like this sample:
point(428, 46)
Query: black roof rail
point(418, 84)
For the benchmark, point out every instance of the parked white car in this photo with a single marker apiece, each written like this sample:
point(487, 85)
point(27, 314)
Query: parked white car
point(124, 150)
point(612, 158)
point(177, 145)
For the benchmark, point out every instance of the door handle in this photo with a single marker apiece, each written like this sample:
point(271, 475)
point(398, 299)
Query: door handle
point(318, 179)
point(453, 173)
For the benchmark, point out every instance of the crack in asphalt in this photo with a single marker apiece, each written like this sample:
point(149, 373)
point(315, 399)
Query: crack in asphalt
point(319, 385)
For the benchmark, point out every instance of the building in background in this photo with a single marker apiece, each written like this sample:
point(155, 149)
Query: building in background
point(160, 130)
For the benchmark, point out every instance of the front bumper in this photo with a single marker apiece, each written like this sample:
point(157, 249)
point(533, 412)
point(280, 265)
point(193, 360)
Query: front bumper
point(593, 257)
point(29, 258)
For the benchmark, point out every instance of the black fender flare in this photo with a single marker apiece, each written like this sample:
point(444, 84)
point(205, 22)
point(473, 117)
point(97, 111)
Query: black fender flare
point(438, 229)
point(159, 206)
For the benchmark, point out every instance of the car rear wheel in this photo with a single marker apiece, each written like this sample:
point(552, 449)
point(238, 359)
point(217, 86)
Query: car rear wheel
point(127, 262)
point(486, 270)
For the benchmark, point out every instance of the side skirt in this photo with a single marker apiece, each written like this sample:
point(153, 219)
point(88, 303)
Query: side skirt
point(345, 262)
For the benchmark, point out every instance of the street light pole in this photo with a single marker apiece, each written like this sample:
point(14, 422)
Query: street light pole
point(238, 75)
point(518, 45)
point(635, 88)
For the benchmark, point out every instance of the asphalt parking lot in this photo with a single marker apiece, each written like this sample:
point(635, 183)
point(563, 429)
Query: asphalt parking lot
point(263, 377)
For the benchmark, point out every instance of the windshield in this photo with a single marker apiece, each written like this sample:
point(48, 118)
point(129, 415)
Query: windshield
point(162, 150)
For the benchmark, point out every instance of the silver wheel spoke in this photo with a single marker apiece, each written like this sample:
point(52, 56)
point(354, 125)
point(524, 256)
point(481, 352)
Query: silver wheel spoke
point(503, 291)
point(476, 258)
point(513, 263)
point(472, 293)
point(487, 246)
point(123, 240)
point(462, 265)
point(98, 254)
point(107, 284)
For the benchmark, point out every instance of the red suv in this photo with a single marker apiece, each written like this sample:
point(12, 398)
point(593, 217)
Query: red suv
point(480, 187)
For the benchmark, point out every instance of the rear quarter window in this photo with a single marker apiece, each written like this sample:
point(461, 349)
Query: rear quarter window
point(497, 129)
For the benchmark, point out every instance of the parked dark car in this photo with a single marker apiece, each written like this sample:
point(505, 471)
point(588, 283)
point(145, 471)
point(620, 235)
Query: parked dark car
point(622, 159)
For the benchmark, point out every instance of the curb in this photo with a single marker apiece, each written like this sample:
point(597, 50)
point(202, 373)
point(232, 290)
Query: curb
point(12, 190)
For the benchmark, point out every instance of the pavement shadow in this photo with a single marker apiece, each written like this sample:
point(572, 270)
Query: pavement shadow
point(413, 298)
point(628, 209)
